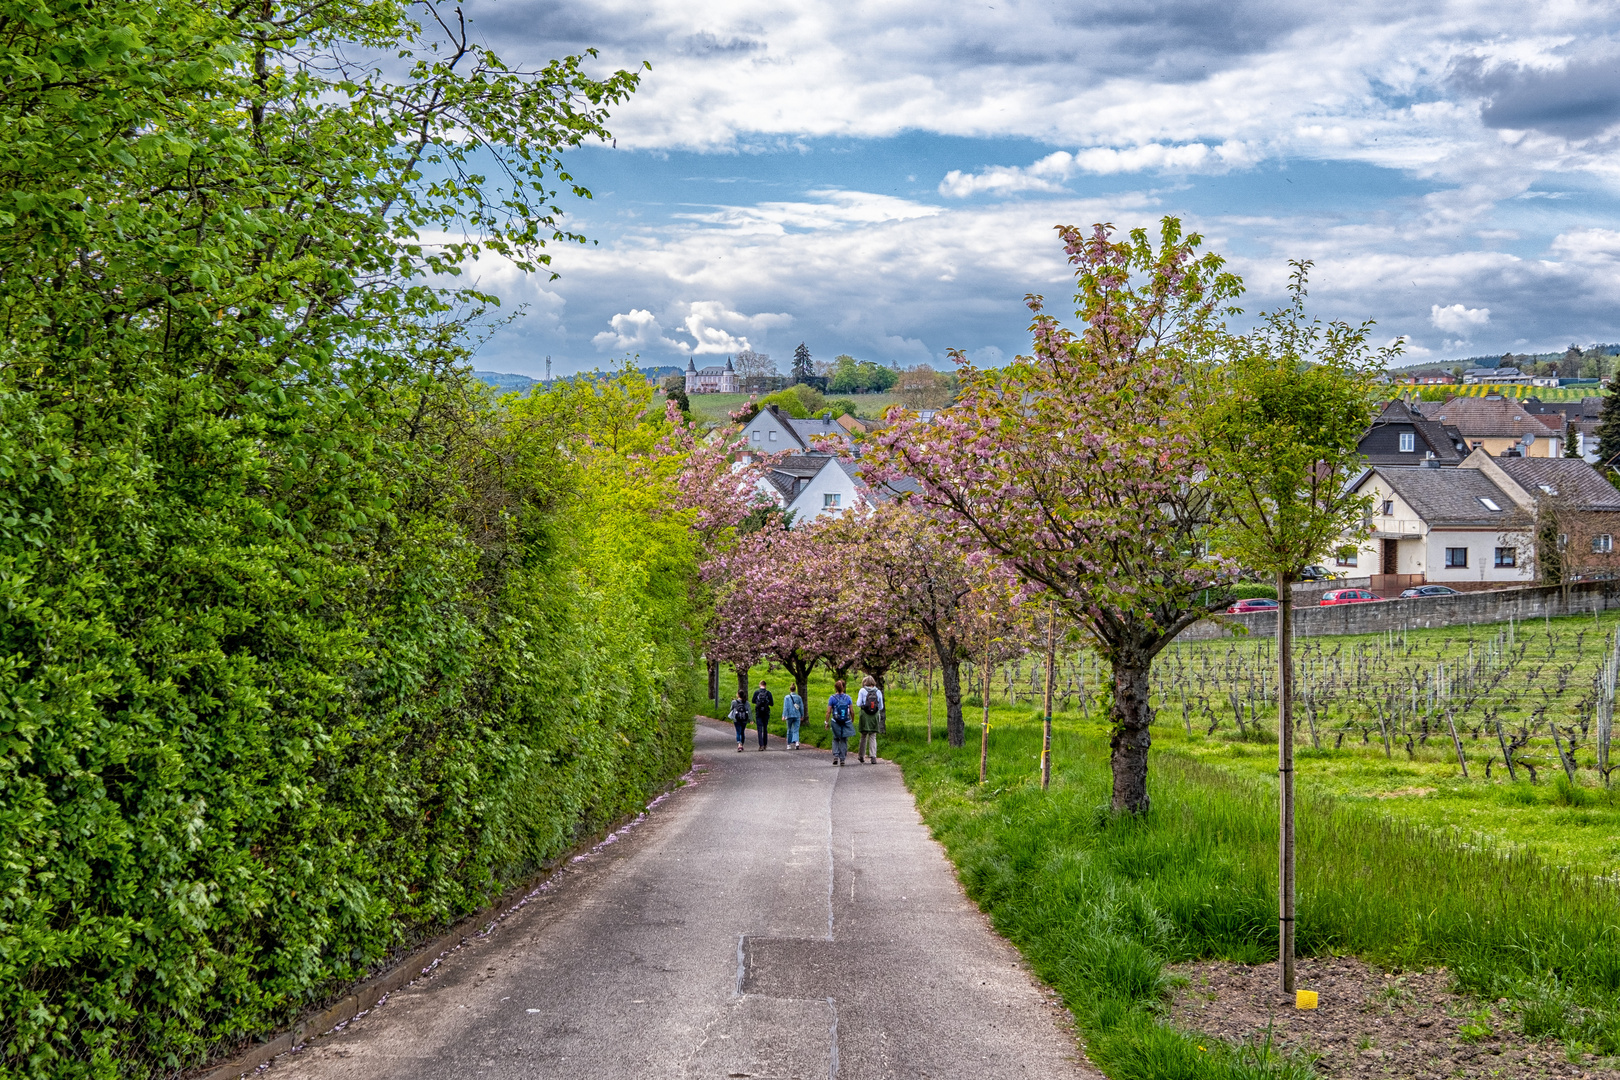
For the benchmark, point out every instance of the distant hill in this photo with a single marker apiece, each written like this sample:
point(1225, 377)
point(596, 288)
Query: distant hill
point(522, 384)
point(505, 383)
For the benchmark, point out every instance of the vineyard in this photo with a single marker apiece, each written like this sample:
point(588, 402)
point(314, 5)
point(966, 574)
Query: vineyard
point(1503, 730)
point(1544, 393)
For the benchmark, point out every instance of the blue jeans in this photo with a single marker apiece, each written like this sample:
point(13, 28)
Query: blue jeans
point(742, 730)
point(793, 728)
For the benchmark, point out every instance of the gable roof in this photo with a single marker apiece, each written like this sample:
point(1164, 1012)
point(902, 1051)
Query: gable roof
point(1442, 442)
point(1492, 418)
point(1569, 478)
point(1449, 497)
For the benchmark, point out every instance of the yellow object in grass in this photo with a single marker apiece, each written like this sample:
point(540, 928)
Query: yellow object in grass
point(1304, 999)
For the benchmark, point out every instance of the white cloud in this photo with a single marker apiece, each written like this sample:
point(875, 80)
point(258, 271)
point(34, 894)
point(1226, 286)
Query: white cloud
point(632, 331)
point(713, 326)
point(1456, 319)
point(1049, 173)
point(1589, 245)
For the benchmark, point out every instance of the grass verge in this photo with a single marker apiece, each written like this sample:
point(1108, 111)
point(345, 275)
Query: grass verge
point(1100, 904)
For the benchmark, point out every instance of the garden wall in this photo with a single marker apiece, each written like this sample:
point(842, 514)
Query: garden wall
point(1497, 605)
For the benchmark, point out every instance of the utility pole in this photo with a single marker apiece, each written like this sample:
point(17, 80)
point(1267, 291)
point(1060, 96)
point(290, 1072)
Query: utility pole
point(1051, 655)
point(548, 369)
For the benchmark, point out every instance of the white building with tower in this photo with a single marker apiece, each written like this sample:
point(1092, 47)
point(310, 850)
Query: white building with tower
point(711, 380)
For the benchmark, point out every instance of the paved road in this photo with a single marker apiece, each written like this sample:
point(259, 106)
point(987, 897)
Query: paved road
point(781, 918)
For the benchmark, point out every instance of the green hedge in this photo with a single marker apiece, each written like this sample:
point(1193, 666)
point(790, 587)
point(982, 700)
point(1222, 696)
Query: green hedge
point(243, 768)
point(307, 646)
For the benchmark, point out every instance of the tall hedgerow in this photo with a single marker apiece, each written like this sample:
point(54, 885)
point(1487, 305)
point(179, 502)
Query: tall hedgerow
point(306, 647)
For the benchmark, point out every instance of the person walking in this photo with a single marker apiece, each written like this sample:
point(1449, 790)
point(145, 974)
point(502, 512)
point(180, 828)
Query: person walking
point(870, 707)
point(739, 718)
point(840, 721)
point(763, 700)
point(793, 715)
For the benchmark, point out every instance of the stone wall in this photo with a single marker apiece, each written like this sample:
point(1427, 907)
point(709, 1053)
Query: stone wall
point(1497, 605)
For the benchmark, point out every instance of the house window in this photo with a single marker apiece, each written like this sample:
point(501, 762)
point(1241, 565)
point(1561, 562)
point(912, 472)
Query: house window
point(773, 436)
point(755, 436)
point(1506, 557)
point(1489, 504)
point(1602, 543)
point(830, 500)
point(1389, 507)
point(1348, 560)
point(1563, 541)
point(1457, 558)
point(1408, 442)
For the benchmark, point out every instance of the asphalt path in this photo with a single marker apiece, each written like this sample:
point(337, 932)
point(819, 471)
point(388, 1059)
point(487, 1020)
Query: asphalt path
point(781, 917)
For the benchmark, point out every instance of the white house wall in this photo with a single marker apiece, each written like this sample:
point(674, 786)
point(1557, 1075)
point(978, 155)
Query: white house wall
point(767, 435)
point(1481, 545)
point(831, 480)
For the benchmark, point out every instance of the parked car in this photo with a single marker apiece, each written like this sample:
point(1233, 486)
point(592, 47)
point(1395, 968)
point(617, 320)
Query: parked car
point(1347, 596)
point(1428, 590)
point(1317, 573)
point(1243, 607)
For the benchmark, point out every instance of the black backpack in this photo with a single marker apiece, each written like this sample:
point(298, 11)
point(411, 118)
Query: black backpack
point(739, 711)
point(869, 702)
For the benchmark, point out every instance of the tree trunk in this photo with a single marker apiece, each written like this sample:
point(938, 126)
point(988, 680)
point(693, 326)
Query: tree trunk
point(1133, 715)
point(800, 668)
point(1285, 781)
point(742, 680)
point(950, 675)
point(1051, 656)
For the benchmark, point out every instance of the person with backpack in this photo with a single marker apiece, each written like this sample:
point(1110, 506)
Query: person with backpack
point(763, 700)
point(792, 715)
point(840, 721)
point(739, 718)
point(870, 704)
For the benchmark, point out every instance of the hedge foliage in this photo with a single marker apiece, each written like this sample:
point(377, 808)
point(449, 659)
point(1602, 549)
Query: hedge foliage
point(307, 647)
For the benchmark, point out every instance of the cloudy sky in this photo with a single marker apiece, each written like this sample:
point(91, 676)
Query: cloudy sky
point(882, 179)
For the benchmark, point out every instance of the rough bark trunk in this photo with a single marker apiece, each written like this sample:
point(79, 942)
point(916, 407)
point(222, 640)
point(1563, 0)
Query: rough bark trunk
point(1133, 715)
point(1285, 778)
point(742, 680)
point(800, 668)
point(950, 676)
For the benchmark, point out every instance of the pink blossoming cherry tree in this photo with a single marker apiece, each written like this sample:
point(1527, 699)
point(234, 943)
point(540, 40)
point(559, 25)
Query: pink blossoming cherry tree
point(1078, 467)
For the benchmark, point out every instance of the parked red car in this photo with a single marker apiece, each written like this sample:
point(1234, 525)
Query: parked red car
point(1243, 607)
point(1347, 596)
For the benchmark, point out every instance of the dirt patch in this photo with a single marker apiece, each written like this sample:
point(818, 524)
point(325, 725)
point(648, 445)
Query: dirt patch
point(1416, 792)
point(1372, 1024)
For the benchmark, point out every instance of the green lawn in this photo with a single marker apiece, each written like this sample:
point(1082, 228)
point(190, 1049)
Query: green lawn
point(716, 408)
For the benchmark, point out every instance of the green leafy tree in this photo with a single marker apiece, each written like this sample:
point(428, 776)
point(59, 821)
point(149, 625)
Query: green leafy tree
point(1280, 436)
point(290, 602)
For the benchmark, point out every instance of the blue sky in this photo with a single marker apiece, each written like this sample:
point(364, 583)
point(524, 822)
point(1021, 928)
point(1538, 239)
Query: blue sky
point(884, 180)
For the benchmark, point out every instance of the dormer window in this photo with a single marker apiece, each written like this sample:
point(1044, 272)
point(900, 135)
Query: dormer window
point(1490, 504)
point(1408, 442)
point(1548, 489)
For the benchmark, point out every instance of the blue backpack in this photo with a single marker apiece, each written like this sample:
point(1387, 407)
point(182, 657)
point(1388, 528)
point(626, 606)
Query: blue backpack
point(840, 709)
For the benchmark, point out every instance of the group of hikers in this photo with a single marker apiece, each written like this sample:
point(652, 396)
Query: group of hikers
point(845, 716)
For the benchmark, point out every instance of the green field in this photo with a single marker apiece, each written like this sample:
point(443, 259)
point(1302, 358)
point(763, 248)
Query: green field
point(716, 408)
point(1099, 905)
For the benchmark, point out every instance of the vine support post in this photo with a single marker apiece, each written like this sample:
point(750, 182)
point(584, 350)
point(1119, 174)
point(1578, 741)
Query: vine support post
point(930, 697)
point(984, 733)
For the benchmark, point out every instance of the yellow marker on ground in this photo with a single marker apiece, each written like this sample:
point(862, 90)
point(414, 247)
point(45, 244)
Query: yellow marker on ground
point(1304, 999)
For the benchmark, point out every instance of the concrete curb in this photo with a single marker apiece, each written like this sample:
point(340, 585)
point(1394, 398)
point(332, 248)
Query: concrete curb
point(422, 960)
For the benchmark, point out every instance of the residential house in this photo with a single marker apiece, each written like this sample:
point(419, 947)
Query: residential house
point(1575, 505)
point(711, 380)
point(1499, 425)
point(1431, 524)
point(1480, 521)
point(1427, 378)
point(1581, 421)
point(1506, 376)
point(813, 485)
point(1400, 435)
point(772, 431)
